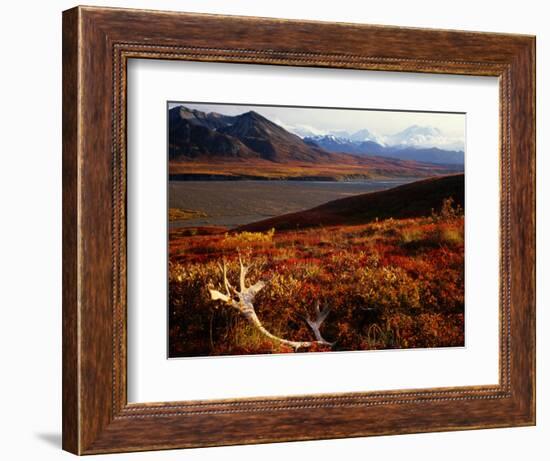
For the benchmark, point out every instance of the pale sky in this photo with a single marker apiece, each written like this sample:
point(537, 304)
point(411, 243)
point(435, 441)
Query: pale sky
point(322, 120)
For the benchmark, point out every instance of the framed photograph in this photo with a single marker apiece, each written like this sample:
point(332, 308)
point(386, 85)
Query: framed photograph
point(281, 230)
point(314, 215)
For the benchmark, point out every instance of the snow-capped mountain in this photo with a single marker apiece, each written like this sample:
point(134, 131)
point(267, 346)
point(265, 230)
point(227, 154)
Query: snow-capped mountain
point(340, 144)
point(362, 135)
point(415, 136)
point(424, 137)
point(357, 136)
point(329, 138)
point(303, 131)
point(340, 134)
point(420, 143)
point(366, 135)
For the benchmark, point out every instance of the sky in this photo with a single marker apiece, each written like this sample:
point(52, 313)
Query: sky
point(433, 129)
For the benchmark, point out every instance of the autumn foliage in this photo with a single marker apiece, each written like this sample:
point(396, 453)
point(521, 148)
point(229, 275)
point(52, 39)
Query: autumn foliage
point(390, 284)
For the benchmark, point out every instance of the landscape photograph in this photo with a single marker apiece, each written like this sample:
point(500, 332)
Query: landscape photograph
point(312, 229)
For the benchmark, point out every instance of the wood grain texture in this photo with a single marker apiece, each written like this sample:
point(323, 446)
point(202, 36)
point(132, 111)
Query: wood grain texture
point(97, 43)
point(70, 383)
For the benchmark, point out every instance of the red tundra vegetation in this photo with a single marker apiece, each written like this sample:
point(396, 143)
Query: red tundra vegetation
point(389, 283)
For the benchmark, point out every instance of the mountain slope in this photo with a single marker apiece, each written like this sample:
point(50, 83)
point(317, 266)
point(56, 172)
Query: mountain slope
point(189, 141)
point(271, 141)
point(196, 117)
point(408, 201)
point(193, 134)
point(364, 135)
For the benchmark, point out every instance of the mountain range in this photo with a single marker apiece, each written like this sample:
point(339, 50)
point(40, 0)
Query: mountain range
point(198, 137)
point(359, 145)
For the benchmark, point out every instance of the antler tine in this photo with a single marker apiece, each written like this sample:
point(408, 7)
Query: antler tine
point(317, 308)
point(244, 270)
point(225, 281)
point(226, 284)
point(322, 314)
point(315, 325)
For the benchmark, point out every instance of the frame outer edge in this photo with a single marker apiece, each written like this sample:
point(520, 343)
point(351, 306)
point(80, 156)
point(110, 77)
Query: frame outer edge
point(528, 148)
point(533, 55)
point(91, 423)
point(522, 196)
point(70, 190)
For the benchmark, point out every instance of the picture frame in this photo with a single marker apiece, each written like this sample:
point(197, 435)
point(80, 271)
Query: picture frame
point(97, 45)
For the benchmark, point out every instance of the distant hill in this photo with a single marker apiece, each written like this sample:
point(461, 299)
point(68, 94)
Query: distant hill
point(425, 154)
point(407, 201)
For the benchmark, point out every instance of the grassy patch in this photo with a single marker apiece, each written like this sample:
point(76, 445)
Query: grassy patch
point(180, 214)
point(409, 235)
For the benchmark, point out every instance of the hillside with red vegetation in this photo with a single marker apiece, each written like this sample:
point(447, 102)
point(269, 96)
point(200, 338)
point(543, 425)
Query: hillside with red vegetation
point(412, 200)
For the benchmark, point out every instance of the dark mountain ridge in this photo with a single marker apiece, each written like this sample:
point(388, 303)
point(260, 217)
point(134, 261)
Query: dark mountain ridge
point(271, 141)
point(194, 134)
point(212, 120)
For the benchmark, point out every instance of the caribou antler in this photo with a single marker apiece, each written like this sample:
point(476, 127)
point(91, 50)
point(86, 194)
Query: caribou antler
point(315, 325)
point(243, 301)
